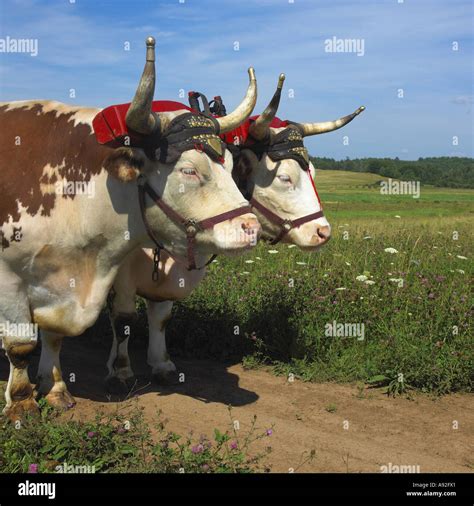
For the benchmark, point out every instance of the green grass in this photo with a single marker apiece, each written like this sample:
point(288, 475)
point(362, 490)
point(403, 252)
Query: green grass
point(274, 310)
point(350, 195)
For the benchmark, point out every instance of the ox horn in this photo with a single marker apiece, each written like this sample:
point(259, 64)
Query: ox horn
point(139, 115)
point(326, 126)
point(260, 127)
point(243, 110)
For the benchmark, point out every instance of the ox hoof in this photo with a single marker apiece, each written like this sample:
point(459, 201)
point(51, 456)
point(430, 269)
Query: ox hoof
point(119, 386)
point(166, 378)
point(20, 410)
point(61, 400)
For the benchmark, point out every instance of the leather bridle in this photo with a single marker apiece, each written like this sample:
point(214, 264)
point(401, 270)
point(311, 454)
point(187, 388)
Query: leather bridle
point(191, 227)
point(284, 224)
point(283, 146)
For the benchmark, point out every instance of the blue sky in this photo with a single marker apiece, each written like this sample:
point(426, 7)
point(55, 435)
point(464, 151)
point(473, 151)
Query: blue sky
point(407, 45)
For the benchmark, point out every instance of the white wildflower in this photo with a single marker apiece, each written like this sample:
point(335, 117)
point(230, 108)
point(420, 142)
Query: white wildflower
point(399, 281)
point(272, 251)
point(362, 277)
point(461, 257)
point(392, 251)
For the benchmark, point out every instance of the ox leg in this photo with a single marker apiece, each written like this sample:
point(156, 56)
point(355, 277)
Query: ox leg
point(163, 369)
point(49, 379)
point(19, 394)
point(120, 378)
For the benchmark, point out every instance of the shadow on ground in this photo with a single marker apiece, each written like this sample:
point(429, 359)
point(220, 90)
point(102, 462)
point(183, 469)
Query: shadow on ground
point(84, 358)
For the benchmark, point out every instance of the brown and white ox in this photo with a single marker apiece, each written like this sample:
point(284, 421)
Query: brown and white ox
point(274, 172)
point(61, 250)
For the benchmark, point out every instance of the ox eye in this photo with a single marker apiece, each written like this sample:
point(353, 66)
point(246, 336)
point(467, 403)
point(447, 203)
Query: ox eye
point(284, 178)
point(188, 171)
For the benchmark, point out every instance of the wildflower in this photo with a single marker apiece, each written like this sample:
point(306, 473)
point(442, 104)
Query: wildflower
point(33, 468)
point(249, 261)
point(197, 449)
point(348, 263)
point(292, 246)
point(397, 216)
point(369, 282)
point(362, 277)
point(399, 281)
point(234, 445)
point(215, 261)
point(244, 273)
point(205, 467)
point(461, 257)
point(301, 263)
point(90, 434)
point(272, 251)
point(269, 432)
point(257, 258)
point(391, 250)
point(431, 295)
point(460, 271)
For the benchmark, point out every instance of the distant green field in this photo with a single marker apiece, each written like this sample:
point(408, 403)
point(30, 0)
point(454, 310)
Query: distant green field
point(357, 195)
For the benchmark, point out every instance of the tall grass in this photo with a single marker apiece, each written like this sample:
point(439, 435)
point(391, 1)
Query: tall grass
point(273, 308)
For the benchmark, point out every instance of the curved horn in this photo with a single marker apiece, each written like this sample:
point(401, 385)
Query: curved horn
point(139, 115)
point(259, 128)
point(243, 110)
point(327, 126)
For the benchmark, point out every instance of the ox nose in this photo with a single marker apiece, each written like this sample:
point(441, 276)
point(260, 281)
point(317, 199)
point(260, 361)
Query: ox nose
point(251, 226)
point(324, 234)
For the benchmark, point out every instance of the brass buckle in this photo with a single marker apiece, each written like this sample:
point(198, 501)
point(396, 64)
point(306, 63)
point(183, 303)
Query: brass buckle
point(287, 225)
point(191, 228)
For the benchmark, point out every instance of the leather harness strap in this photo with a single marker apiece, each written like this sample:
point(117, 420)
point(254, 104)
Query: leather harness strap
point(285, 225)
point(191, 227)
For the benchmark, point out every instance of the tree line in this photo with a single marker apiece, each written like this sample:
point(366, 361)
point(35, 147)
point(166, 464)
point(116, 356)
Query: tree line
point(447, 171)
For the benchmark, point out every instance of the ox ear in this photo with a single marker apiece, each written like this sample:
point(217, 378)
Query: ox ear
point(125, 164)
point(244, 167)
point(247, 163)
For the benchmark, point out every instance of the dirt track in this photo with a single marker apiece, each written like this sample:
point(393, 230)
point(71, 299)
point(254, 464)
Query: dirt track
point(381, 430)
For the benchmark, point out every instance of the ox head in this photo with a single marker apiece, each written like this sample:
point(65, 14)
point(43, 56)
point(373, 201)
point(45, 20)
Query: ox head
point(275, 171)
point(183, 160)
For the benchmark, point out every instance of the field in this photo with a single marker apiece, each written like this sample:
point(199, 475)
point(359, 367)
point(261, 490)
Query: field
point(260, 334)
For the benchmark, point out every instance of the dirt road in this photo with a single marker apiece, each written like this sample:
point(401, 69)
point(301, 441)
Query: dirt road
point(351, 431)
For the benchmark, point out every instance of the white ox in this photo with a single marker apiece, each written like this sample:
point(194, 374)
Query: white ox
point(280, 187)
point(61, 252)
